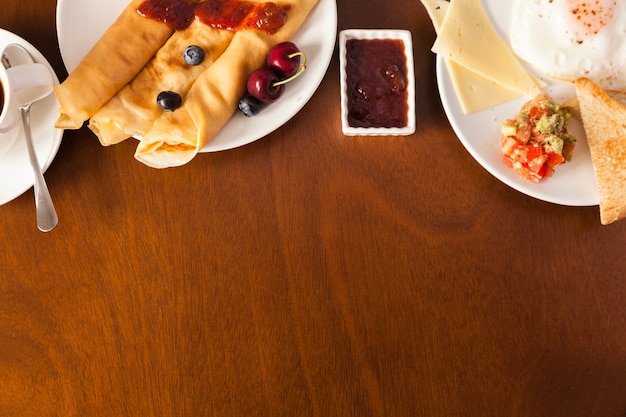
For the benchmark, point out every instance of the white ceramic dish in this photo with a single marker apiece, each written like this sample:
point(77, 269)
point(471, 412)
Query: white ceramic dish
point(573, 183)
point(405, 37)
point(80, 23)
point(16, 175)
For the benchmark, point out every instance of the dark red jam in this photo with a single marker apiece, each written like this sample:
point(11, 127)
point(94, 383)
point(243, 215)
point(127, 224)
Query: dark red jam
point(229, 15)
point(377, 84)
point(223, 14)
point(268, 17)
point(177, 14)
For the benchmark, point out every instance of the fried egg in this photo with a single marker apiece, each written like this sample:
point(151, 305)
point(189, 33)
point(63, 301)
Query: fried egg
point(567, 39)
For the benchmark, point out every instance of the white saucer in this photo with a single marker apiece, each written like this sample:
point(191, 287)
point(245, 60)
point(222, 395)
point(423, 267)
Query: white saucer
point(16, 175)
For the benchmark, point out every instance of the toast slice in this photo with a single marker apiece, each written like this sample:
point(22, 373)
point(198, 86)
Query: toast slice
point(604, 119)
point(573, 104)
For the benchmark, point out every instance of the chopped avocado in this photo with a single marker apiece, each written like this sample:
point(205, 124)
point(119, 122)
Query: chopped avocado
point(554, 144)
point(551, 105)
point(533, 141)
point(508, 130)
point(551, 124)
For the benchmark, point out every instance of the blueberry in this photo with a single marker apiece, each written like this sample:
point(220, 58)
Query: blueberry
point(194, 55)
point(169, 100)
point(250, 106)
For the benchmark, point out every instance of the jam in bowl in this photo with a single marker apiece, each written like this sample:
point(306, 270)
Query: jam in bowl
point(377, 82)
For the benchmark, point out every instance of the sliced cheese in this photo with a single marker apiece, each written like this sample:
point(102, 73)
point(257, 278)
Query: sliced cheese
point(467, 37)
point(474, 92)
point(436, 10)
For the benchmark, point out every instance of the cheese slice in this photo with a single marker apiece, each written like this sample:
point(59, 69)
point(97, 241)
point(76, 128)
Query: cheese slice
point(474, 92)
point(467, 38)
point(436, 10)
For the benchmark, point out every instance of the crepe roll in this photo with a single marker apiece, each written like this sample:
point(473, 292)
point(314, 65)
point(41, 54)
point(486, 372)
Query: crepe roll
point(117, 57)
point(133, 110)
point(176, 137)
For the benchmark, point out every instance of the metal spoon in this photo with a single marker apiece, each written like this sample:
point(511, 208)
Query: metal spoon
point(47, 218)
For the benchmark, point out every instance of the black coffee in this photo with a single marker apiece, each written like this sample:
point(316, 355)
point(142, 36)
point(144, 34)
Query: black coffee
point(1, 98)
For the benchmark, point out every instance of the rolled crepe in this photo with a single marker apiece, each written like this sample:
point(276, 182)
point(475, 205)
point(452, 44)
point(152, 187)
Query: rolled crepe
point(133, 110)
point(176, 137)
point(113, 61)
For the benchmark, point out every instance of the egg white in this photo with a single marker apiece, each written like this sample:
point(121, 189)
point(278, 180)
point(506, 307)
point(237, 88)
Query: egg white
point(567, 39)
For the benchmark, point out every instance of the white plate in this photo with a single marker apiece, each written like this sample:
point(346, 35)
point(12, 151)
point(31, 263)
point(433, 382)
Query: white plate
point(16, 176)
point(80, 23)
point(573, 183)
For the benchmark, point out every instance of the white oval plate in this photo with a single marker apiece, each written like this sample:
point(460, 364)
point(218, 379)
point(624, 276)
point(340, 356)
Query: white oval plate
point(16, 175)
point(573, 183)
point(80, 23)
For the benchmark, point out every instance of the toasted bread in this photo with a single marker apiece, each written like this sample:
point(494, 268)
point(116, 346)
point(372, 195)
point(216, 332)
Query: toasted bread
point(604, 119)
point(573, 105)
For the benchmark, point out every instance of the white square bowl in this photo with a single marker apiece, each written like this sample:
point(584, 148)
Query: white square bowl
point(395, 34)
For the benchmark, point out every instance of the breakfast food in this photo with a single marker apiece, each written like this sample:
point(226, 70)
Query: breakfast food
point(180, 96)
point(473, 91)
point(604, 120)
point(482, 76)
point(167, 77)
point(114, 60)
point(176, 137)
point(286, 59)
point(567, 39)
point(536, 141)
point(570, 40)
point(376, 83)
point(266, 84)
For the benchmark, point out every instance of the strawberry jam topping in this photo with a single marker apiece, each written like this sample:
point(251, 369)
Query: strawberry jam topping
point(229, 15)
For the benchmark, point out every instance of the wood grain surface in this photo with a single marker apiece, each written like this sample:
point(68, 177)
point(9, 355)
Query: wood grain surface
point(306, 274)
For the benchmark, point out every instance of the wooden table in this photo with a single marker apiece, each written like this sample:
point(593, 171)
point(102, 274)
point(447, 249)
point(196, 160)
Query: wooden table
point(306, 274)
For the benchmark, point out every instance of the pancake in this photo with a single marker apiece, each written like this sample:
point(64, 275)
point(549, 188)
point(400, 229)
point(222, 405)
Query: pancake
point(176, 137)
point(133, 110)
point(118, 56)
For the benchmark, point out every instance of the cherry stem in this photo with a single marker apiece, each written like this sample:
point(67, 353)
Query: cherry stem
point(297, 74)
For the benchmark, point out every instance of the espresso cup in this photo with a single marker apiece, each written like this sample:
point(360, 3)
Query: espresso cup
point(14, 81)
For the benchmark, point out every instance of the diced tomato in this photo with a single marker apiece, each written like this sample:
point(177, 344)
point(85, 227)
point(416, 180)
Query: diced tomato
point(548, 171)
point(536, 165)
point(507, 161)
point(524, 152)
point(536, 113)
point(523, 171)
point(519, 153)
point(534, 152)
point(554, 159)
point(508, 144)
point(524, 132)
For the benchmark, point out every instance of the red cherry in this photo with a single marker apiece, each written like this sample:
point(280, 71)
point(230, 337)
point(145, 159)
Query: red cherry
point(262, 85)
point(284, 58)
